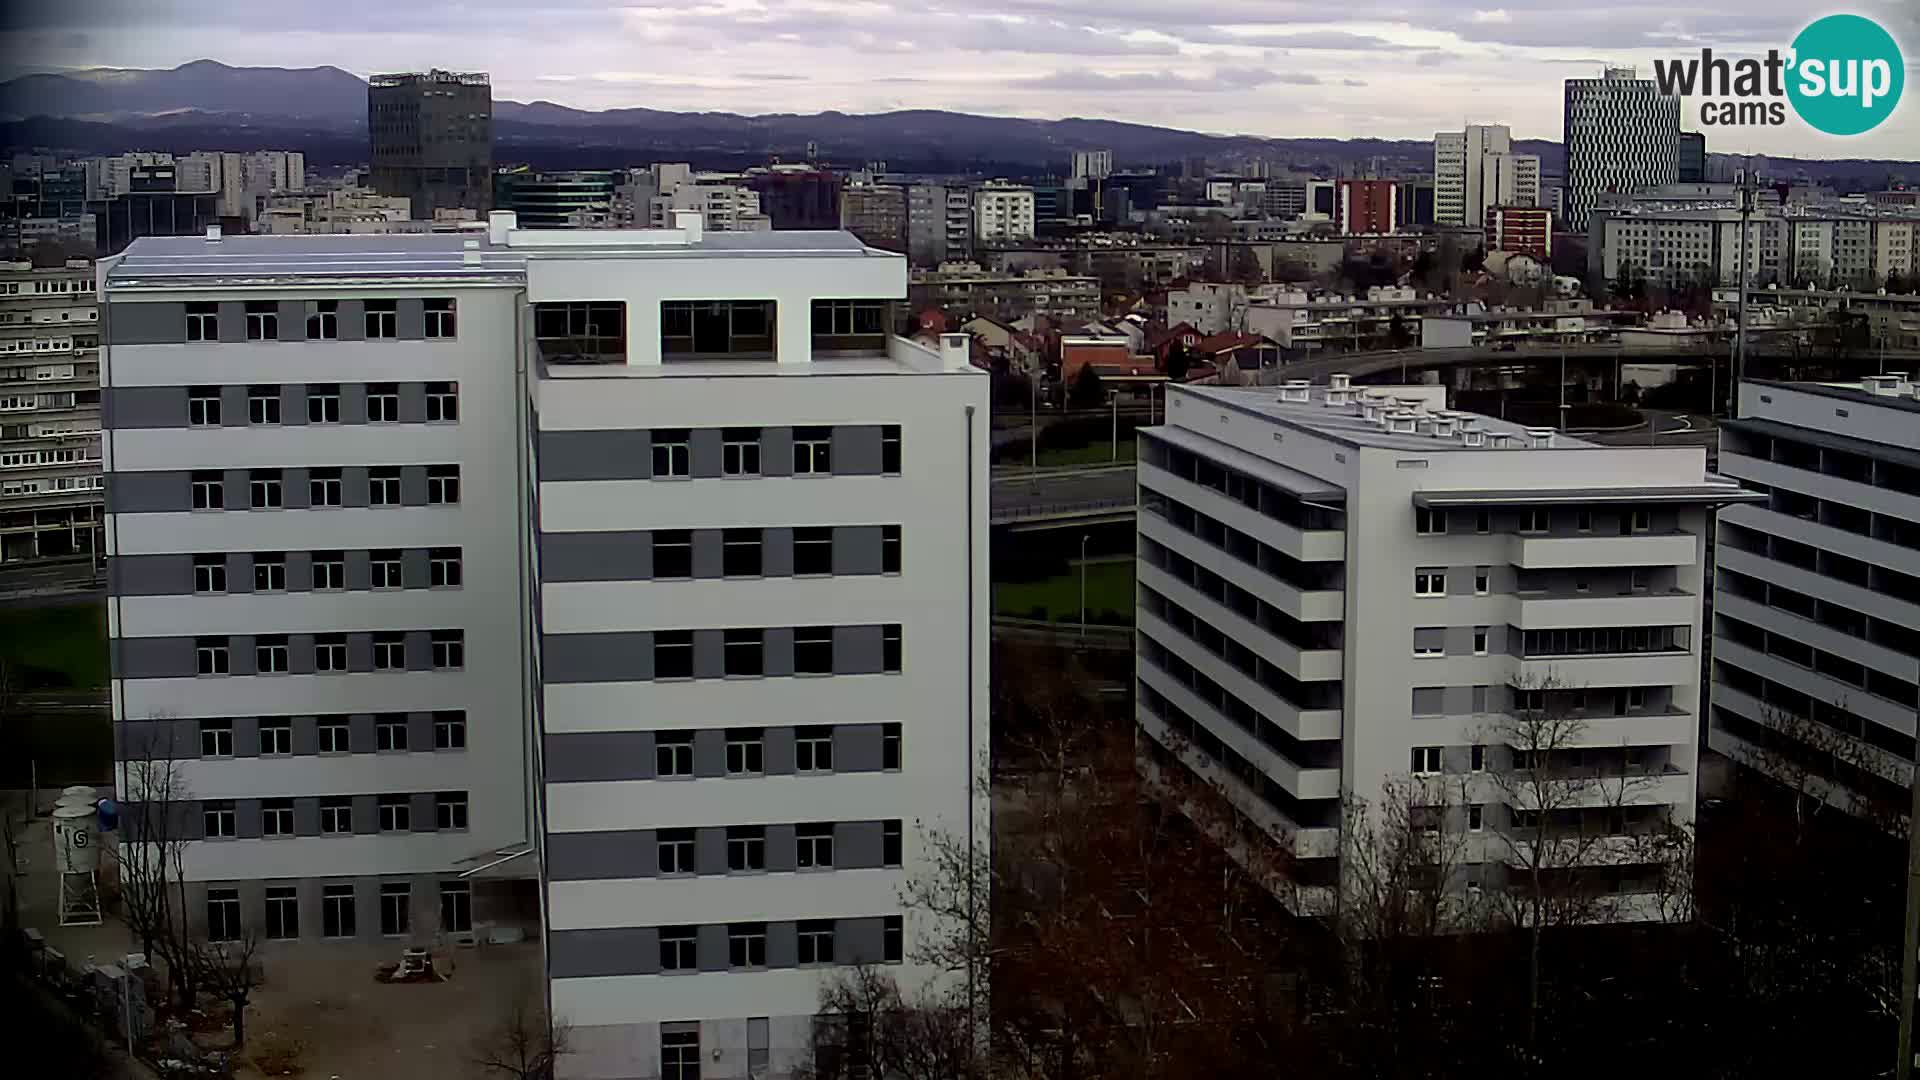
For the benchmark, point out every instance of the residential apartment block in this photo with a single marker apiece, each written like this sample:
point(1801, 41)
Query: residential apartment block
point(50, 504)
point(1002, 212)
point(965, 287)
point(1816, 650)
point(636, 579)
point(1345, 586)
point(1475, 169)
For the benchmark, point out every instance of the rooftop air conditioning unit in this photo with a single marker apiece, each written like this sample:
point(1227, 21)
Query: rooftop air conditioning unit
point(1295, 391)
point(1443, 427)
point(1498, 439)
point(1540, 437)
point(1400, 423)
point(1340, 380)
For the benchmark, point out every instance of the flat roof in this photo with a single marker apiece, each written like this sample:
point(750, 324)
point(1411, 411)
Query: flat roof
point(1906, 402)
point(189, 261)
point(1344, 426)
point(1292, 481)
point(1704, 492)
point(1899, 455)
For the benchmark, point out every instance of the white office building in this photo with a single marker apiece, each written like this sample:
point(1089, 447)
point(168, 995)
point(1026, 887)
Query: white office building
point(1092, 164)
point(1621, 135)
point(1817, 591)
point(1477, 168)
point(1341, 587)
point(636, 579)
point(1002, 213)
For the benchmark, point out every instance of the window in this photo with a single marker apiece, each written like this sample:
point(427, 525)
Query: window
point(450, 810)
point(740, 553)
point(323, 320)
point(1429, 582)
point(209, 573)
point(813, 749)
point(329, 570)
point(812, 451)
point(223, 914)
point(890, 648)
point(1483, 521)
point(216, 738)
point(1482, 580)
point(336, 815)
point(276, 736)
point(396, 813)
point(672, 553)
point(383, 403)
point(218, 819)
point(336, 911)
point(671, 453)
point(676, 850)
point(816, 942)
point(679, 1053)
point(270, 655)
point(390, 731)
point(396, 906)
point(389, 651)
point(1476, 818)
point(673, 754)
point(673, 654)
point(443, 485)
point(815, 850)
point(1429, 641)
point(1535, 521)
point(813, 551)
point(1636, 698)
point(744, 652)
point(849, 318)
point(747, 945)
point(1479, 641)
point(210, 656)
point(1636, 581)
point(1479, 755)
point(263, 405)
point(745, 751)
point(203, 406)
point(443, 402)
point(323, 403)
point(890, 746)
point(740, 452)
point(1640, 521)
point(208, 491)
point(889, 549)
point(1428, 522)
point(283, 912)
point(203, 322)
point(324, 488)
point(893, 939)
point(264, 491)
point(383, 318)
point(443, 568)
point(890, 449)
point(335, 735)
point(449, 730)
point(677, 948)
point(890, 843)
point(746, 848)
point(1583, 521)
point(449, 650)
point(383, 485)
point(1426, 760)
point(439, 314)
point(269, 572)
point(456, 907)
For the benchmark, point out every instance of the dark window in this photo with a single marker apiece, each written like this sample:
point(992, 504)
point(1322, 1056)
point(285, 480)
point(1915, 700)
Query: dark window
point(890, 746)
point(263, 405)
point(740, 552)
point(223, 914)
point(325, 487)
point(210, 656)
point(383, 403)
point(283, 912)
point(740, 452)
point(396, 813)
point(747, 945)
point(893, 939)
point(816, 942)
point(443, 484)
point(889, 549)
point(449, 650)
point(265, 490)
point(815, 846)
point(443, 402)
point(678, 948)
point(456, 907)
point(323, 403)
point(673, 754)
point(270, 655)
point(673, 654)
point(443, 568)
point(383, 485)
point(390, 731)
point(440, 316)
point(890, 648)
point(449, 730)
point(209, 573)
point(209, 491)
point(396, 908)
point(329, 570)
point(323, 320)
point(679, 1055)
point(389, 651)
point(813, 650)
point(269, 572)
point(812, 451)
point(746, 848)
point(203, 321)
point(383, 318)
point(744, 652)
point(450, 810)
point(216, 738)
point(672, 453)
point(276, 736)
point(676, 850)
point(335, 735)
point(813, 550)
point(890, 449)
point(203, 406)
point(336, 815)
point(813, 749)
point(672, 553)
point(745, 751)
point(890, 843)
point(336, 911)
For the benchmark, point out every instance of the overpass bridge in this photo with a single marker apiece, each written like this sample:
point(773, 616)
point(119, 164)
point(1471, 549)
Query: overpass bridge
point(1054, 498)
point(1363, 364)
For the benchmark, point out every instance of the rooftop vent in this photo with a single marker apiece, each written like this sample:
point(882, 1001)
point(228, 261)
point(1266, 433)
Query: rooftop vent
point(1338, 397)
point(691, 222)
point(1540, 437)
point(1498, 439)
point(1294, 390)
point(1400, 423)
point(1423, 425)
point(1443, 427)
point(1472, 436)
point(1340, 380)
point(213, 234)
point(1412, 404)
point(1371, 410)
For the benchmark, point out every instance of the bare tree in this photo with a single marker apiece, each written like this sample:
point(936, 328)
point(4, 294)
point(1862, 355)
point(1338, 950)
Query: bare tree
point(523, 1042)
point(151, 852)
point(866, 1029)
point(1818, 766)
point(229, 970)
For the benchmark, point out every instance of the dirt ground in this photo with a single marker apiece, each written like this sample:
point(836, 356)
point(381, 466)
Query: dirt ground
point(320, 998)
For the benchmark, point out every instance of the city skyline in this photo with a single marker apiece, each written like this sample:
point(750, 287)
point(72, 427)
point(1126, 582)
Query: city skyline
point(1277, 69)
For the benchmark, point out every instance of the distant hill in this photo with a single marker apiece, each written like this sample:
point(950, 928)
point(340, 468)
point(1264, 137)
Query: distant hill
point(207, 105)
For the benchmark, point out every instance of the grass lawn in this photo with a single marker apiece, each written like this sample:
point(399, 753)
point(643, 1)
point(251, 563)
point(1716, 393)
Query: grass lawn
point(56, 648)
point(1109, 588)
point(1100, 453)
point(68, 747)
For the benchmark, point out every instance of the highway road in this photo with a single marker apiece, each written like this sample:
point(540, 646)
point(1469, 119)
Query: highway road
point(37, 584)
point(1017, 495)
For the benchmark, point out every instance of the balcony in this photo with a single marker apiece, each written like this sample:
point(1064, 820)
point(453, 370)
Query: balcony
point(1572, 552)
point(1539, 611)
point(581, 333)
point(1667, 727)
point(1679, 667)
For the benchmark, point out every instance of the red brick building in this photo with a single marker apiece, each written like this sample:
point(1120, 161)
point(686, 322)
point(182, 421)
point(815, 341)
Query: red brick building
point(1527, 230)
point(1365, 206)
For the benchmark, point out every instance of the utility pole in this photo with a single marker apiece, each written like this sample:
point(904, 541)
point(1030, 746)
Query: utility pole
point(1747, 195)
point(1115, 454)
point(1033, 423)
point(1084, 537)
point(1910, 956)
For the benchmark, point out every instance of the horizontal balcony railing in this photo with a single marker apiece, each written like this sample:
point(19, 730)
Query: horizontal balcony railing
point(1563, 612)
point(1531, 552)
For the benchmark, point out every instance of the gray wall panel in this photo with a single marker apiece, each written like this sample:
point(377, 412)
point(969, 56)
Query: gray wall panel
point(359, 569)
point(233, 320)
point(596, 556)
point(153, 658)
point(857, 650)
point(599, 856)
point(419, 650)
point(294, 489)
point(778, 650)
point(353, 320)
point(145, 324)
point(353, 401)
point(859, 941)
point(421, 804)
point(366, 813)
point(776, 451)
point(239, 572)
point(708, 552)
point(246, 736)
point(597, 657)
point(151, 575)
point(595, 455)
point(709, 753)
point(293, 320)
point(306, 816)
point(777, 751)
point(776, 552)
point(590, 953)
point(709, 654)
point(293, 404)
point(783, 945)
point(233, 406)
point(360, 733)
point(414, 568)
point(711, 949)
point(246, 816)
point(781, 848)
point(856, 549)
point(413, 485)
point(413, 403)
point(353, 487)
point(412, 321)
point(306, 735)
point(590, 756)
point(149, 492)
point(127, 407)
point(710, 851)
point(359, 652)
point(856, 450)
point(857, 845)
point(704, 448)
point(856, 748)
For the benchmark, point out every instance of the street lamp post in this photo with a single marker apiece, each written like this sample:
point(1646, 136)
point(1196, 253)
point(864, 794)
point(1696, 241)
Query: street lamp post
point(1033, 424)
point(1115, 397)
point(1084, 537)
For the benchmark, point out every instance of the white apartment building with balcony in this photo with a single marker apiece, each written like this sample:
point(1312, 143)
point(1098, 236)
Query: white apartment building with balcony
point(1476, 168)
point(1817, 590)
point(50, 481)
point(633, 579)
point(1002, 212)
point(1344, 586)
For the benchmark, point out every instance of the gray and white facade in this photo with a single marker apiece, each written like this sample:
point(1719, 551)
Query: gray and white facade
point(1817, 589)
point(721, 598)
point(1341, 587)
point(1621, 134)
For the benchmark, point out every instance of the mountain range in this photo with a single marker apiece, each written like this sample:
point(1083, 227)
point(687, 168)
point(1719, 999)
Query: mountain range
point(206, 105)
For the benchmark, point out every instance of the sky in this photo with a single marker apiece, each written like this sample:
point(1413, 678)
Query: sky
point(1340, 68)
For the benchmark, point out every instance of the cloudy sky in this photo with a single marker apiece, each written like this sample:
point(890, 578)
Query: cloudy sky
point(1389, 68)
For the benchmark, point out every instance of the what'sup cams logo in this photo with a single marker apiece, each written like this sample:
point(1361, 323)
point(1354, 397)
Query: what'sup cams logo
point(1842, 76)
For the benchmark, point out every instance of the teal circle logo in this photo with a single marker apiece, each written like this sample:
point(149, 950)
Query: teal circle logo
point(1846, 74)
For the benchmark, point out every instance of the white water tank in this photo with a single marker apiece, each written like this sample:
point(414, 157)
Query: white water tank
point(76, 843)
